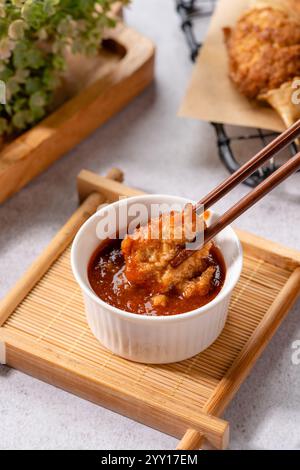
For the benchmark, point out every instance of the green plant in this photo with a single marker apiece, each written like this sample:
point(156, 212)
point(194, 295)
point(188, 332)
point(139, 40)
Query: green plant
point(34, 38)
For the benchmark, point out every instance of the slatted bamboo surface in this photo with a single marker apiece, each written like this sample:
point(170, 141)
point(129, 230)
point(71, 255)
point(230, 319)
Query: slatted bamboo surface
point(46, 334)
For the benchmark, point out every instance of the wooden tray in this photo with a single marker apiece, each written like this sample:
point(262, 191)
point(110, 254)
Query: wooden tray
point(44, 333)
point(94, 90)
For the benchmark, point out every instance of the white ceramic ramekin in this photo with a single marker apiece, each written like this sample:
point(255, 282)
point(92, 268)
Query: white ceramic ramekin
point(151, 339)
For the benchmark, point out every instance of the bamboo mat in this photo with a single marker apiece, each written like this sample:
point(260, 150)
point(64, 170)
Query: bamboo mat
point(53, 315)
point(47, 336)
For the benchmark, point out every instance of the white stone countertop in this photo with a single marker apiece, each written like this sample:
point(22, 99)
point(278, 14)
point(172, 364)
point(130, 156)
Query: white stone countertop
point(159, 152)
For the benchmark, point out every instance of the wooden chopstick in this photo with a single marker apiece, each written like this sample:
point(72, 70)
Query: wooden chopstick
point(253, 197)
point(243, 205)
point(248, 168)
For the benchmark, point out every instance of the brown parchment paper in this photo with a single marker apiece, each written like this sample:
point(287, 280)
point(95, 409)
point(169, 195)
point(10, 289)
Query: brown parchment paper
point(211, 96)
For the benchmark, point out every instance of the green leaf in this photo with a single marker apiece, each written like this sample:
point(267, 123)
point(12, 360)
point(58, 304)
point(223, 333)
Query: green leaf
point(59, 62)
point(49, 6)
point(18, 3)
point(33, 84)
point(50, 79)
point(37, 100)
point(19, 104)
point(16, 30)
point(3, 125)
point(20, 120)
point(20, 55)
point(34, 14)
point(37, 114)
point(6, 73)
point(12, 87)
point(35, 58)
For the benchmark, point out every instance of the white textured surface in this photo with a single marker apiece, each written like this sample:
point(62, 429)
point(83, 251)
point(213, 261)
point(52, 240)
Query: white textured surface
point(159, 153)
point(2, 353)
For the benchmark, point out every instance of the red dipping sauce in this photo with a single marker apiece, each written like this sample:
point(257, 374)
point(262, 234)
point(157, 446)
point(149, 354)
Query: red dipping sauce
point(106, 274)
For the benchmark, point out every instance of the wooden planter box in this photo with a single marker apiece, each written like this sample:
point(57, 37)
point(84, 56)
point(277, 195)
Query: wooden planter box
point(94, 90)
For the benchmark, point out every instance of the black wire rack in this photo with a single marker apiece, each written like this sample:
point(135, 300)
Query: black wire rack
point(190, 11)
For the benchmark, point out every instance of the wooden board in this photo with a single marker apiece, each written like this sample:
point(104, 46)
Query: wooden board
point(93, 92)
point(44, 333)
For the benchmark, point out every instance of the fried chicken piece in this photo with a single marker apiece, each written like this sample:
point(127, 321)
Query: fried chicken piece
point(200, 285)
point(159, 300)
point(264, 54)
point(150, 249)
point(289, 7)
point(188, 269)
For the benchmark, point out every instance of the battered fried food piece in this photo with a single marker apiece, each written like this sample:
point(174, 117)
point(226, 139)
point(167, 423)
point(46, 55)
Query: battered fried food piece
point(200, 285)
point(290, 7)
point(264, 51)
point(159, 300)
point(148, 258)
point(264, 54)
